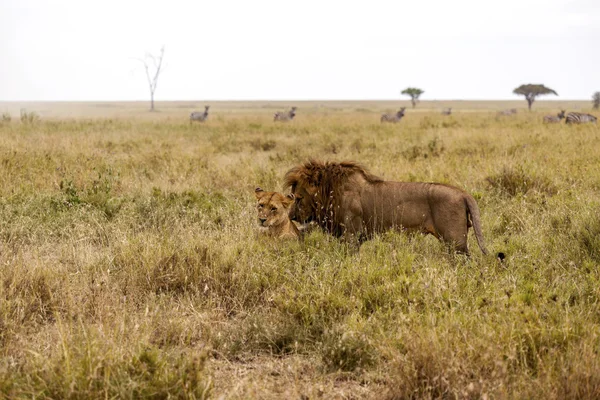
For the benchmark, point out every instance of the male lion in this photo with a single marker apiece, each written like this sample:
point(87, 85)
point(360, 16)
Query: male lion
point(346, 200)
point(273, 217)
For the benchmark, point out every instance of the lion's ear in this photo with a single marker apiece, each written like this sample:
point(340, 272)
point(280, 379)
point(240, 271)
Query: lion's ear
point(312, 190)
point(291, 196)
point(258, 192)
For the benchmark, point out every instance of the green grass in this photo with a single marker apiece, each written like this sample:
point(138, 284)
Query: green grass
point(130, 265)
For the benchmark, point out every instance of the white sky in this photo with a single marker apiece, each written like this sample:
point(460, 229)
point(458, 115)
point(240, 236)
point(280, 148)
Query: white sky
point(309, 49)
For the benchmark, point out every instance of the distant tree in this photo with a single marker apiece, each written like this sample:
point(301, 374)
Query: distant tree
point(153, 65)
point(414, 94)
point(596, 100)
point(531, 91)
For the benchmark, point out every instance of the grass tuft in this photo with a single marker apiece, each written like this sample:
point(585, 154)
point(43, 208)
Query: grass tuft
point(347, 351)
point(515, 181)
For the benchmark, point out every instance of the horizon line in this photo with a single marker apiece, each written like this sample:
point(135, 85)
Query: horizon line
point(273, 100)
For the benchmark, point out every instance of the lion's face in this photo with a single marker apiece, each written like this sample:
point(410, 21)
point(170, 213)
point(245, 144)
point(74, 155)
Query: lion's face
point(302, 210)
point(272, 207)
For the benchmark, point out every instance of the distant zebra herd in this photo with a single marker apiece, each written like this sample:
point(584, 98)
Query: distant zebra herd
point(553, 119)
point(393, 118)
point(199, 116)
point(286, 116)
point(570, 118)
point(512, 111)
point(279, 115)
point(579, 118)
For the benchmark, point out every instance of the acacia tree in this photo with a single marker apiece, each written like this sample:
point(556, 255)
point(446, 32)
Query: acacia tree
point(414, 94)
point(153, 65)
point(531, 91)
point(596, 100)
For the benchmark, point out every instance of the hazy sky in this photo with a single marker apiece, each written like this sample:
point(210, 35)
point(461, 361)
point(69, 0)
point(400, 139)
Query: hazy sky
point(310, 49)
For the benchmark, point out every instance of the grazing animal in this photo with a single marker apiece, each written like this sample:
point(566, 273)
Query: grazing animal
point(347, 201)
point(447, 111)
point(553, 119)
point(285, 116)
point(393, 118)
point(273, 217)
point(512, 111)
point(579, 118)
point(199, 116)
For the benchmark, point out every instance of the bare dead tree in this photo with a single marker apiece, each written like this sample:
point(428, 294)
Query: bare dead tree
point(153, 65)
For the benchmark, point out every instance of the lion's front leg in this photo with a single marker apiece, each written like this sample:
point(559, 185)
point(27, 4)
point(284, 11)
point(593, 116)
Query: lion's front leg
point(354, 230)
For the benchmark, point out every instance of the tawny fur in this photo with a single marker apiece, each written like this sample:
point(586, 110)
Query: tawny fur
point(347, 201)
point(273, 215)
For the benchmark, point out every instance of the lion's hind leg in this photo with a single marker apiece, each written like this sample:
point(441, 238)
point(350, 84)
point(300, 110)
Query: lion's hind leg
point(455, 233)
point(462, 247)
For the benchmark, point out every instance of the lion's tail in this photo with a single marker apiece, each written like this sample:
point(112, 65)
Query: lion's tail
point(476, 219)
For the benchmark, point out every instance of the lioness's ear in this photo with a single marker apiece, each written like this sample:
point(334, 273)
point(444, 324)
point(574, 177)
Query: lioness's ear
point(289, 200)
point(258, 192)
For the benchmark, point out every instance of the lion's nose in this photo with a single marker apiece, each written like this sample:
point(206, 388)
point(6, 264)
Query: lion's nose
point(262, 220)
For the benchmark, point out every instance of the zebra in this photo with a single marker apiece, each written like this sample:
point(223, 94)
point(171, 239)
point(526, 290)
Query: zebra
point(579, 118)
point(447, 111)
point(393, 118)
point(199, 116)
point(512, 111)
point(285, 116)
point(553, 119)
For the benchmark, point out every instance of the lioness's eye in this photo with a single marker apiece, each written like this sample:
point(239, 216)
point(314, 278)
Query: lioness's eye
point(260, 206)
point(274, 209)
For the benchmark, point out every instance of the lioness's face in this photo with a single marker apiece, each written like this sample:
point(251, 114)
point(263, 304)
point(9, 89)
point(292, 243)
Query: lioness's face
point(272, 207)
point(302, 209)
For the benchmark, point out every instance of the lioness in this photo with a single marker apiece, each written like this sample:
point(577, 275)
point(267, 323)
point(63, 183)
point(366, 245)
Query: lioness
point(273, 217)
point(345, 200)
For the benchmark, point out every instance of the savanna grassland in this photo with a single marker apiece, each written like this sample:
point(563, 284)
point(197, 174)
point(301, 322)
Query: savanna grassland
point(130, 265)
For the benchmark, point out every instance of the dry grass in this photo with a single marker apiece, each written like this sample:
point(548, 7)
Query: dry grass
point(129, 266)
